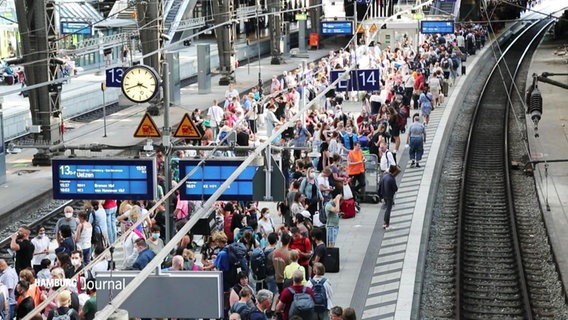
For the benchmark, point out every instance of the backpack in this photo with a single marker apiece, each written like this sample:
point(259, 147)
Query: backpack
point(246, 312)
point(268, 262)
point(320, 295)
point(97, 234)
point(242, 231)
point(445, 63)
point(401, 123)
point(258, 264)
point(236, 252)
point(455, 62)
point(323, 215)
point(66, 316)
point(302, 304)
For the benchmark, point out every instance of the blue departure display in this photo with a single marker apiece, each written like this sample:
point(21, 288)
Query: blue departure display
point(208, 178)
point(332, 28)
point(432, 27)
point(120, 179)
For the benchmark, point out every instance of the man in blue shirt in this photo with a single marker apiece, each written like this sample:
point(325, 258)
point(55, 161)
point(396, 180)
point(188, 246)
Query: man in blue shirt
point(145, 255)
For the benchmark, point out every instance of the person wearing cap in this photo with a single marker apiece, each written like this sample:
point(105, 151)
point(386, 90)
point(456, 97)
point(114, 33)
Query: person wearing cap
point(389, 189)
point(207, 133)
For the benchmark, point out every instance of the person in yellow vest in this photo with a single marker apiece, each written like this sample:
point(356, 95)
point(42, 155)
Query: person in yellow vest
point(356, 169)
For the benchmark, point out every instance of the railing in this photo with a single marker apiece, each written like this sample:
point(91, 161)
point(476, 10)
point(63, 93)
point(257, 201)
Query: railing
point(99, 43)
point(191, 24)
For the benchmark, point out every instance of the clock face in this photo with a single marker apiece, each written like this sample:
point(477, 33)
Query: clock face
point(140, 84)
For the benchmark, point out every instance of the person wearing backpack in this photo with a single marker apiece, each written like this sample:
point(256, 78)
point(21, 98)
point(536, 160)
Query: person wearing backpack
point(296, 300)
point(270, 280)
point(323, 292)
point(230, 259)
point(64, 312)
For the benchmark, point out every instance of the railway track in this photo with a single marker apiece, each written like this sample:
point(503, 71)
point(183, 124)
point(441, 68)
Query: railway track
point(488, 254)
point(46, 216)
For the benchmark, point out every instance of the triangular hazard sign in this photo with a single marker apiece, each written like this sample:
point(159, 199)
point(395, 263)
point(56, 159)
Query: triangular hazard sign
point(373, 28)
point(360, 28)
point(187, 129)
point(147, 128)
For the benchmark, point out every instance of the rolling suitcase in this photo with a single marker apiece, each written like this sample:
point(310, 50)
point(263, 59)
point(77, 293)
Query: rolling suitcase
point(331, 262)
point(348, 208)
point(463, 69)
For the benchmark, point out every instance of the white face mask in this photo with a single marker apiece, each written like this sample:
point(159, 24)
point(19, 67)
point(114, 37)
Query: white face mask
point(76, 262)
point(68, 215)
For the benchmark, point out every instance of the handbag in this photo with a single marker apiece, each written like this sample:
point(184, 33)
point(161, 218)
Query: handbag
point(347, 193)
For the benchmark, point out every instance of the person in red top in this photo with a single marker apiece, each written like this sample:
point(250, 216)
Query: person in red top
point(228, 212)
point(304, 246)
point(286, 297)
point(418, 87)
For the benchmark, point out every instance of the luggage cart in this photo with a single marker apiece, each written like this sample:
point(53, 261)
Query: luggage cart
point(370, 195)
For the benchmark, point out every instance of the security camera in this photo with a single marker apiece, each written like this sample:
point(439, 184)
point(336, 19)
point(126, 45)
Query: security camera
point(165, 37)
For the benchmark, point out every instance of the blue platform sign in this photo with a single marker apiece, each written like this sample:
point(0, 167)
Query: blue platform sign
point(359, 80)
point(433, 27)
point(114, 77)
point(209, 177)
point(120, 179)
point(69, 27)
point(333, 28)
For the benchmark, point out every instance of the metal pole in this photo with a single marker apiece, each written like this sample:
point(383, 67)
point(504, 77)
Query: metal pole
point(258, 46)
point(166, 142)
point(103, 88)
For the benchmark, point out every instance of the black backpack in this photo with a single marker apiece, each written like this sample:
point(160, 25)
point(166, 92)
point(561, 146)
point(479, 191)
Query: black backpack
point(268, 252)
point(258, 264)
point(236, 252)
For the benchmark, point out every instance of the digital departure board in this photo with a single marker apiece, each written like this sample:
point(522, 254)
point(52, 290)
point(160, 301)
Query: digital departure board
point(209, 177)
point(121, 179)
point(436, 26)
point(332, 28)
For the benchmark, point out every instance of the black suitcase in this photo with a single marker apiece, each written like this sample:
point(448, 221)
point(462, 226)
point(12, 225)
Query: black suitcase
point(463, 69)
point(331, 260)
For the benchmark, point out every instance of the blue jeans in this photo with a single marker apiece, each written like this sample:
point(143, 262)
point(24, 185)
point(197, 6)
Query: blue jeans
point(111, 224)
point(271, 284)
point(332, 234)
point(416, 148)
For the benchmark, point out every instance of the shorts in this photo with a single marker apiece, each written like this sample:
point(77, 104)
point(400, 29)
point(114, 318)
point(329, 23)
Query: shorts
point(332, 234)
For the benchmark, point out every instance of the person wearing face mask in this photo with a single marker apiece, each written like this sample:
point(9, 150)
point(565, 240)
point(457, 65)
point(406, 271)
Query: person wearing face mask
point(265, 223)
point(154, 242)
point(24, 248)
point(67, 220)
point(76, 262)
point(41, 248)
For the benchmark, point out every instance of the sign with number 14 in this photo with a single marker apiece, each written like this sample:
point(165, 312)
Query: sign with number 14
point(359, 80)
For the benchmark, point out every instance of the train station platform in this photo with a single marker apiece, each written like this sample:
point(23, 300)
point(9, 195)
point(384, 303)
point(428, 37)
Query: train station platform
point(379, 270)
point(550, 148)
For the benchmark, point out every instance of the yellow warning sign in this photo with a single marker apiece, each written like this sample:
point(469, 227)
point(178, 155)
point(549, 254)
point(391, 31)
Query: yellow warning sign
point(147, 128)
point(187, 129)
point(360, 28)
point(373, 28)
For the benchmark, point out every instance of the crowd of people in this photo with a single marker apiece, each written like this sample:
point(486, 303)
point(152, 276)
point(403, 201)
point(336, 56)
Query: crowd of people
point(269, 262)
